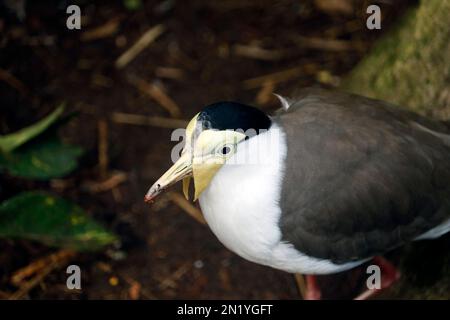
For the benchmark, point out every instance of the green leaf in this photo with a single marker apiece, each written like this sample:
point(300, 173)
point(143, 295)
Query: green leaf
point(12, 141)
point(132, 5)
point(53, 221)
point(42, 159)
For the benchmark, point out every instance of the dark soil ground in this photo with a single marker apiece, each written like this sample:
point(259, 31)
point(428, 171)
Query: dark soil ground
point(164, 252)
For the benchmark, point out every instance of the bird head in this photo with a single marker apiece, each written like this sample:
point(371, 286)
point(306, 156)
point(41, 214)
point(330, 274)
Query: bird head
point(212, 137)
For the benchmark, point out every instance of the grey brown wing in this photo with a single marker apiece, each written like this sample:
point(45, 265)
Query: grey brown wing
point(362, 177)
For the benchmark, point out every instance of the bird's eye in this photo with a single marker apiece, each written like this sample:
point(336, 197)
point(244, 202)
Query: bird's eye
point(224, 150)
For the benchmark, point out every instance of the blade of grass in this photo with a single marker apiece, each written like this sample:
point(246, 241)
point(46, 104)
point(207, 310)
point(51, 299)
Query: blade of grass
point(12, 141)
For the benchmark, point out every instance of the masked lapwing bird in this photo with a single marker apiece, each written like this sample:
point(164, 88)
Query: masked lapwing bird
point(328, 182)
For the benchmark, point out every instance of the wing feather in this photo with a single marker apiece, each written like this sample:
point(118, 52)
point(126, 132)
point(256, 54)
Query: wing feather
point(364, 176)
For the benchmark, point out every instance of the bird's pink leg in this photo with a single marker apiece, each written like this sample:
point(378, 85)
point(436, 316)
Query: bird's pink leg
point(389, 275)
point(312, 289)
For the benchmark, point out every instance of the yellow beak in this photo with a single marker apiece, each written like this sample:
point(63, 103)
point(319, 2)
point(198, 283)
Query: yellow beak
point(180, 170)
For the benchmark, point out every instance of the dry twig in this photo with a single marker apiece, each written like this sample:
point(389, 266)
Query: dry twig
point(144, 41)
point(109, 184)
point(255, 52)
point(140, 120)
point(266, 93)
point(187, 206)
point(171, 281)
point(157, 93)
point(103, 146)
point(169, 73)
point(277, 77)
point(326, 44)
point(28, 286)
point(105, 30)
point(41, 267)
point(136, 290)
point(13, 82)
point(335, 6)
point(36, 266)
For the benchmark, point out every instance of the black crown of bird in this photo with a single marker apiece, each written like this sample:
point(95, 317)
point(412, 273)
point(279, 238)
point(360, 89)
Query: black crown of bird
point(355, 178)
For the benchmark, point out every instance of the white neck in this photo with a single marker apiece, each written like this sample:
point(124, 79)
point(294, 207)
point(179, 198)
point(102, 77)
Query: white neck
point(241, 202)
